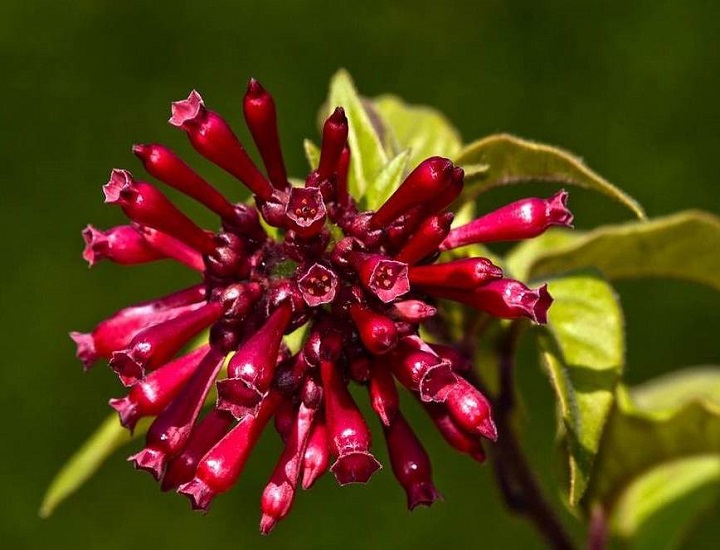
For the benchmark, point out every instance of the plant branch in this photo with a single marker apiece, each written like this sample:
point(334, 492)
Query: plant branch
point(517, 482)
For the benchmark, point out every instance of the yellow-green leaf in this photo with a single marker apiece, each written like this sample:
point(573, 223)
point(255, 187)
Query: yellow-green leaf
point(387, 181)
point(312, 153)
point(641, 476)
point(513, 160)
point(583, 352)
point(653, 513)
point(682, 246)
point(107, 438)
point(423, 130)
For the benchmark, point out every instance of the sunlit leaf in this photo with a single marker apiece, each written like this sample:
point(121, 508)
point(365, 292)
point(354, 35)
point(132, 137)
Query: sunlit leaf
point(421, 129)
point(312, 153)
point(367, 155)
point(107, 438)
point(513, 160)
point(583, 351)
point(682, 246)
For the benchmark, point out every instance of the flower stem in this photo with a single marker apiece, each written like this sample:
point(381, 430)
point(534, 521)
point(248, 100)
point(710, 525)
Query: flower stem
point(516, 480)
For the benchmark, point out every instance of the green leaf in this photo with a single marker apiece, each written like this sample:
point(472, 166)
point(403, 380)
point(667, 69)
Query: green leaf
point(513, 160)
point(107, 438)
point(423, 130)
point(387, 181)
point(523, 256)
point(367, 155)
point(583, 352)
point(641, 474)
point(312, 153)
point(655, 510)
point(682, 246)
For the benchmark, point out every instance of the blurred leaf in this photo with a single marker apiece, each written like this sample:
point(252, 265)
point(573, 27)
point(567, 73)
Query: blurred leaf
point(655, 509)
point(584, 360)
point(367, 155)
point(682, 246)
point(312, 153)
point(423, 130)
point(513, 160)
point(387, 181)
point(108, 438)
point(475, 173)
point(653, 429)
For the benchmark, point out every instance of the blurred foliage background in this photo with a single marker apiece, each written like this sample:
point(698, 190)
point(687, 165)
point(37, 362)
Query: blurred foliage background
point(632, 87)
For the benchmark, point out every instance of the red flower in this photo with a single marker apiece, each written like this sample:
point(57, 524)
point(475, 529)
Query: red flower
point(363, 296)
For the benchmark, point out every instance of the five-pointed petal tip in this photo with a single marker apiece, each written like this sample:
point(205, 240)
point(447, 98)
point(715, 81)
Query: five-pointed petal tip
point(120, 180)
point(186, 110)
point(85, 348)
point(355, 467)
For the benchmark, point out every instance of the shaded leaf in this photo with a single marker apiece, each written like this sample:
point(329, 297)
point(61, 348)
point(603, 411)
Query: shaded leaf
point(583, 351)
point(682, 246)
point(513, 160)
point(423, 130)
point(387, 181)
point(654, 512)
point(367, 156)
point(653, 430)
point(107, 438)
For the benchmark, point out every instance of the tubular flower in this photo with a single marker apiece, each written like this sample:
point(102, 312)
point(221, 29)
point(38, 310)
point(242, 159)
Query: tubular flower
point(360, 283)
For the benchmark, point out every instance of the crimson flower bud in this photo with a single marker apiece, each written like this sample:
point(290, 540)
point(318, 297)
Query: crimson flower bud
point(385, 278)
point(457, 360)
point(466, 273)
point(155, 345)
point(251, 369)
point(316, 458)
point(284, 419)
point(384, 397)
point(144, 204)
point(161, 163)
point(471, 410)
point(305, 212)
point(377, 332)
point(261, 118)
point(341, 182)
point(348, 435)
point(170, 247)
point(203, 437)
point(150, 396)
point(522, 219)
point(413, 311)
point(118, 331)
point(277, 498)
point(335, 132)
point(170, 431)
point(318, 285)
point(410, 463)
point(122, 244)
point(426, 240)
point(213, 138)
point(423, 372)
point(505, 298)
point(424, 183)
point(289, 374)
point(221, 466)
point(458, 438)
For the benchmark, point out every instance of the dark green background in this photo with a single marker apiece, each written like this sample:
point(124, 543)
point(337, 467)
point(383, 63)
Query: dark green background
point(630, 86)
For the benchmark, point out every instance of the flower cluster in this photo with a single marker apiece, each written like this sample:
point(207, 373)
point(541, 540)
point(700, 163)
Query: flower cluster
point(360, 282)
